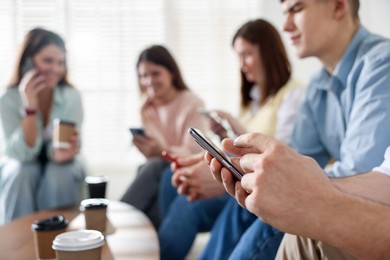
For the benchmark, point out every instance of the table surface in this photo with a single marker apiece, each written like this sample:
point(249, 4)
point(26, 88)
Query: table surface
point(130, 235)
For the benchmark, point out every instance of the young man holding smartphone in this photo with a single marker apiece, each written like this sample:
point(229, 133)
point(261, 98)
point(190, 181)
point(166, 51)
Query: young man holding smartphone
point(345, 117)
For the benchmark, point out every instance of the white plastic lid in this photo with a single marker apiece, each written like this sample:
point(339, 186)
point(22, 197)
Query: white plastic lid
point(96, 179)
point(78, 240)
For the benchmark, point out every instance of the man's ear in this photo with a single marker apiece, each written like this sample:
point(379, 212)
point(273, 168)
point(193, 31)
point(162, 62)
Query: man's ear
point(341, 8)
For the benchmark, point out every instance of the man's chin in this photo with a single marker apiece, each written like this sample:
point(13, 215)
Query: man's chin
point(301, 54)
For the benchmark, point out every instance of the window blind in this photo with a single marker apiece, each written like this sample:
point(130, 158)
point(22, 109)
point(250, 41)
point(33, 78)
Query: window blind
point(104, 38)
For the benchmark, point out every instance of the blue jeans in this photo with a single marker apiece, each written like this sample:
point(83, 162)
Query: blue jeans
point(238, 234)
point(29, 187)
point(167, 193)
point(182, 220)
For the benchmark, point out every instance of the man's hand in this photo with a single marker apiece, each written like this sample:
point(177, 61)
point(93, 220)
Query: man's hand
point(279, 185)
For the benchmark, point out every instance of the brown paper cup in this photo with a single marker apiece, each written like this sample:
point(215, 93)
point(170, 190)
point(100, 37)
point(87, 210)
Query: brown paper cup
point(62, 132)
point(43, 241)
point(96, 219)
point(44, 232)
point(95, 213)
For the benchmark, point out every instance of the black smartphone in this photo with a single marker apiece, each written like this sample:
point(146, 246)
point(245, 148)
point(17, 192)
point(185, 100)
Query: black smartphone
point(137, 131)
point(215, 151)
point(28, 65)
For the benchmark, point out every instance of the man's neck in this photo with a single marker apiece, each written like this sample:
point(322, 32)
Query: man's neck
point(336, 50)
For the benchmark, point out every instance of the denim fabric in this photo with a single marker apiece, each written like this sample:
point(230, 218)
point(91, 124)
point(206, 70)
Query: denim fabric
point(227, 231)
point(167, 193)
point(260, 241)
point(26, 188)
point(183, 220)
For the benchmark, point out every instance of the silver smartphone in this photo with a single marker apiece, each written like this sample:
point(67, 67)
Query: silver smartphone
point(215, 151)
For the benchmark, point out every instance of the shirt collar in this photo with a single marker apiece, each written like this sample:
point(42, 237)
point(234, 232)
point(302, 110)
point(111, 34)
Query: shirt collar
point(344, 66)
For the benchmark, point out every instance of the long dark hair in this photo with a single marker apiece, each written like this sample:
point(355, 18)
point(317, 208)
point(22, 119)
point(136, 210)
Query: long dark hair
point(159, 55)
point(34, 41)
point(277, 68)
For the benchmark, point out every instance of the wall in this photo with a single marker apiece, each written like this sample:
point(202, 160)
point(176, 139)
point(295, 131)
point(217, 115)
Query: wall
point(374, 15)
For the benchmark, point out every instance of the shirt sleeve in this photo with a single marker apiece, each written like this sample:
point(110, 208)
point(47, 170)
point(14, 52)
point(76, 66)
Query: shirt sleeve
point(192, 119)
point(368, 127)
point(287, 114)
point(14, 142)
point(305, 137)
point(385, 166)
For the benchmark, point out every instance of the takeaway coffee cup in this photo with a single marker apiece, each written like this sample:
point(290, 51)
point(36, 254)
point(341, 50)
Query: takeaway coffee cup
point(81, 244)
point(45, 231)
point(95, 211)
point(62, 132)
point(97, 186)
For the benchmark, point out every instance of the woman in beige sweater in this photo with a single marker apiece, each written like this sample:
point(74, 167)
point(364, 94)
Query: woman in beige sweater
point(168, 110)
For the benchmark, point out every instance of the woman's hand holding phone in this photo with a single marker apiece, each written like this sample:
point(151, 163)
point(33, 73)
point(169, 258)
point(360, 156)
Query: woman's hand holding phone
point(30, 86)
point(148, 146)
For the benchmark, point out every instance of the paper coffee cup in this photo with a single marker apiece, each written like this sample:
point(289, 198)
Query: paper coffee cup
point(81, 244)
point(97, 186)
point(45, 231)
point(95, 213)
point(62, 133)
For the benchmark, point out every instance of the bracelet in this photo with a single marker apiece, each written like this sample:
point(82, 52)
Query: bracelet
point(30, 111)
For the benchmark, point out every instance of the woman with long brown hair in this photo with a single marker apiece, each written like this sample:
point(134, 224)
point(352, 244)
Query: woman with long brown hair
point(270, 101)
point(168, 110)
point(36, 175)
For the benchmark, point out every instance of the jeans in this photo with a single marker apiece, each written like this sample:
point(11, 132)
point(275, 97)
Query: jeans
point(29, 187)
point(183, 220)
point(238, 234)
point(167, 193)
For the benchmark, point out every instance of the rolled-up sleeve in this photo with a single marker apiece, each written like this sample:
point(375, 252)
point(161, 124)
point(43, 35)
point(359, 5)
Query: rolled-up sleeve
point(14, 142)
point(385, 166)
point(367, 134)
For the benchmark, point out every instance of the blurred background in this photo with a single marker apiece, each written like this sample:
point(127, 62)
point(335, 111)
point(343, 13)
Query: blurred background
point(104, 38)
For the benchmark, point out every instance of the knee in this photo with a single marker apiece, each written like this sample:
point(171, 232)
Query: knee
point(62, 175)
point(17, 172)
point(72, 169)
point(153, 165)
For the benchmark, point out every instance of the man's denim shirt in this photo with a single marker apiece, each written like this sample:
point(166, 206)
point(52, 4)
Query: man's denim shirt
point(346, 116)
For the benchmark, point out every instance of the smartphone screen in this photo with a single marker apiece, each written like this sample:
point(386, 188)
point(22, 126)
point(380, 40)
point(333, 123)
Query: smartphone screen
point(215, 151)
point(137, 131)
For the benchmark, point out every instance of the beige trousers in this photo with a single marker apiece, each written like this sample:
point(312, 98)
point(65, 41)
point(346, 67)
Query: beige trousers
point(296, 247)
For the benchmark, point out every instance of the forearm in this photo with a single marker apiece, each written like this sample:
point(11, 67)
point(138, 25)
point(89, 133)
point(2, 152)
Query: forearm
point(30, 129)
point(237, 127)
point(356, 225)
point(373, 186)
